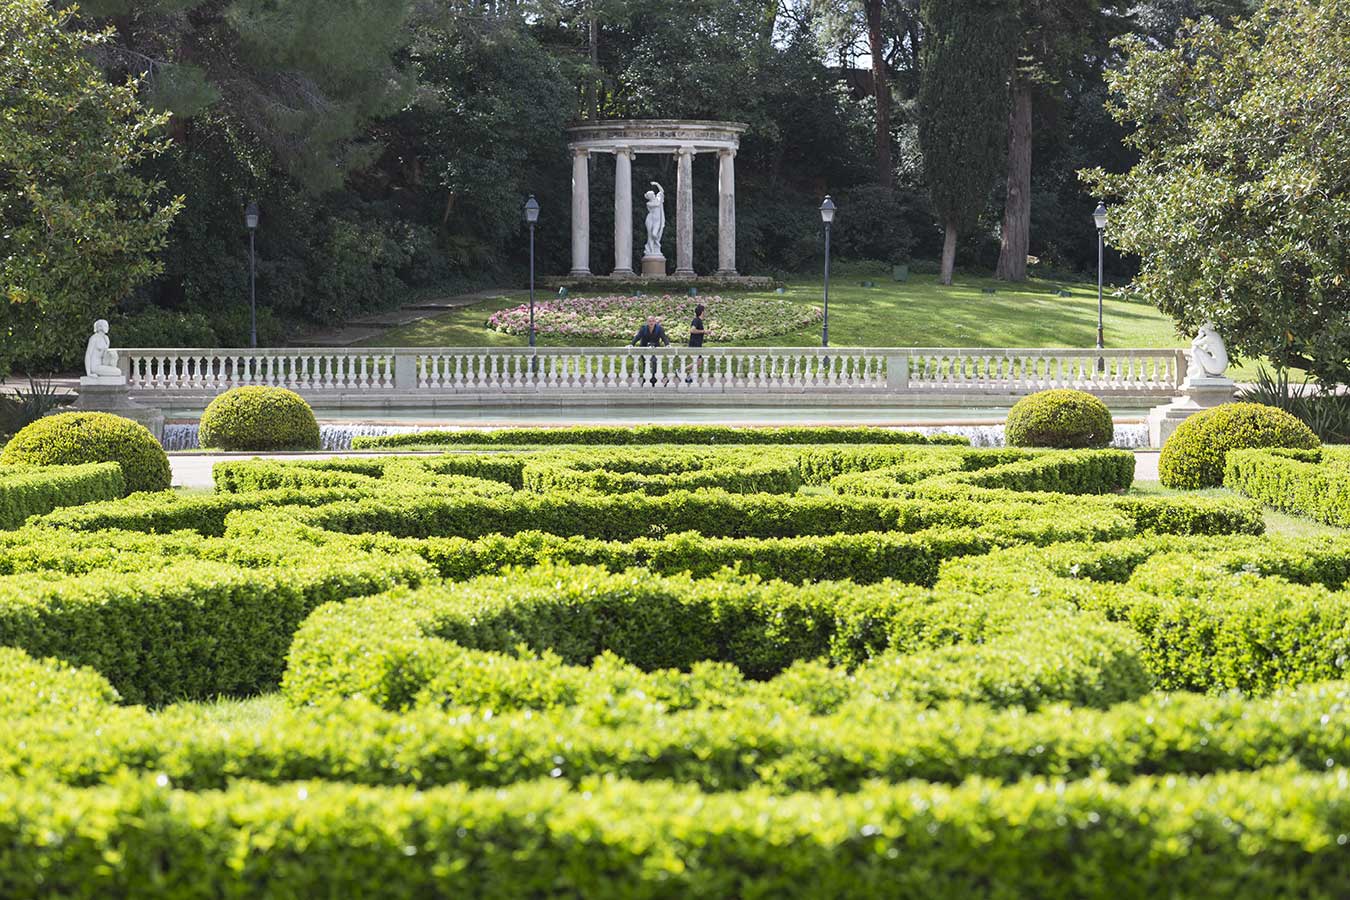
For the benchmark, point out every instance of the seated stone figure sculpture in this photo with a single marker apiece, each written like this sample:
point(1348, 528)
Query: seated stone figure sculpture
point(100, 360)
point(1209, 355)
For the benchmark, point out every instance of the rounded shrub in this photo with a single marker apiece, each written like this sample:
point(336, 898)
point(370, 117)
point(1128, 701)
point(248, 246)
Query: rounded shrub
point(1193, 457)
point(1059, 418)
point(76, 438)
point(259, 418)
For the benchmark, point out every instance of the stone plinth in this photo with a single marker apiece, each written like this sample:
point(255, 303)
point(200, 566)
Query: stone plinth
point(1198, 393)
point(110, 395)
point(653, 266)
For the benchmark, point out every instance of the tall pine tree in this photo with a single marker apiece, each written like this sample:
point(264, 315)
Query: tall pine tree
point(963, 103)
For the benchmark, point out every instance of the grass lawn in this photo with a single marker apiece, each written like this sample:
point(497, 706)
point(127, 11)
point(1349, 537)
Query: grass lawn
point(917, 313)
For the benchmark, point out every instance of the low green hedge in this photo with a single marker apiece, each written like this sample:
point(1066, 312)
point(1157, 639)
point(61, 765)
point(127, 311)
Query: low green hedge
point(79, 438)
point(1193, 457)
point(663, 472)
point(257, 417)
point(1059, 418)
point(1065, 472)
point(32, 491)
point(260, 475)
point(191, 627)
point(792, 741)
point(1213, 616)
point(1244, 836)
point(205, 514)
point(652, 434)
point(462, 646)
point(1304, 483)
point(718, 514)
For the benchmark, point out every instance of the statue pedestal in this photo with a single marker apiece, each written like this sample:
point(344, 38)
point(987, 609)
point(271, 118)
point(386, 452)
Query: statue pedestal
point(654, 266)
point(110, 394)
point(1198, 393)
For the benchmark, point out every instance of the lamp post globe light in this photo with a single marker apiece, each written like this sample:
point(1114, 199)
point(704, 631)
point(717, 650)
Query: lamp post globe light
point(251, 223)
point(531, 218)
point(827, 217)
point(1099, 218)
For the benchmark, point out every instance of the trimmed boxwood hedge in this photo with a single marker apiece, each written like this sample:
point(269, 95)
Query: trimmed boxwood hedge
point(1193, 457)
point(653, 724)
point(79, 438)
point(1244, 836)
point(256, 417)
point(30, 491)
point(1312, 483)
point(1060, 418)
point(610, 435)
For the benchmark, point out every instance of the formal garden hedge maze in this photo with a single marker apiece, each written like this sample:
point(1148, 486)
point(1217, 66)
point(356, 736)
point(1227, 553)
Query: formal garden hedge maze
point(896, 670)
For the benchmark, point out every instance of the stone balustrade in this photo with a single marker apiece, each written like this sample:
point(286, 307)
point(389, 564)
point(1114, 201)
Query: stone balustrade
point(408, 374)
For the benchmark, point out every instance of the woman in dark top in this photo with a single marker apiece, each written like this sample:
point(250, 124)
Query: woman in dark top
point(696, 333)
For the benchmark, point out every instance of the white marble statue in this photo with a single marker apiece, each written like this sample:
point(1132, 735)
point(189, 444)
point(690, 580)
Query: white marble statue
point(1209, 356)
point(656, 219)
point(100, 360)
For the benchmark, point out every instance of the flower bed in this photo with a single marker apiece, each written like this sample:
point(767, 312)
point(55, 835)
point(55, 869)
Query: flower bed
point(728, 320)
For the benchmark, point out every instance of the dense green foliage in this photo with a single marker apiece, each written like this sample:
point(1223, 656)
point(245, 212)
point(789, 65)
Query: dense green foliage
point(652, 434)
point(259, 418)
point(390, 144)
point(81, 227)
point(1313, 483)
point(1193, 457)
point(76, 438)
point(30, 490)
point(963, 107)
point(1239, 205)
point(1059, 418)
point(532, 689)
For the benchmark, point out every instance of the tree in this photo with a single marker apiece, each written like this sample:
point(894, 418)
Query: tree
point(1239, 205)
point(303, 77)
point(81, 229)
point(962, 104)
point(1053, 32)
point(881, 85)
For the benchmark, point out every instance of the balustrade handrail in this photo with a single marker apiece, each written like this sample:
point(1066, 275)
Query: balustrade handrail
point(624, 348)
point(500, 370)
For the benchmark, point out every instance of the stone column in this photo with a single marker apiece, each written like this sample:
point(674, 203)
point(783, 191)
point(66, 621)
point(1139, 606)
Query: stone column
point(581, 215)
point(726, 213)
point(623, 212)
point(684, 215)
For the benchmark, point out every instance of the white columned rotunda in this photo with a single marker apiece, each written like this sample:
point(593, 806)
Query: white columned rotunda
point(626, 138)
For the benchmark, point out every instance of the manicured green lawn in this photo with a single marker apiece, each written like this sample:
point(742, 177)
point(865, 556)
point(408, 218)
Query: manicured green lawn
point(917, 313)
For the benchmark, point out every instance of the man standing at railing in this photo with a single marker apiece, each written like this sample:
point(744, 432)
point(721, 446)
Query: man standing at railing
point(651, 335)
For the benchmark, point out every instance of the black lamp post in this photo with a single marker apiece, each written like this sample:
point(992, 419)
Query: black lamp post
point(531, 217)
point(251, 223)
point(827, 216)
point(1099, 217)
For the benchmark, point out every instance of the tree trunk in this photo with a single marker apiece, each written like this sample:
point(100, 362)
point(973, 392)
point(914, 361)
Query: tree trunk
point(593, 82)
point(885, 173)
point(948, 255)
point(1012, 255)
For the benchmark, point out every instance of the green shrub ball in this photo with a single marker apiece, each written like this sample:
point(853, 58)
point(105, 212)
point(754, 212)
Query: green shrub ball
point(1193, 457)
point(259, 418)
point(1059, 418)
point(76, 438)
